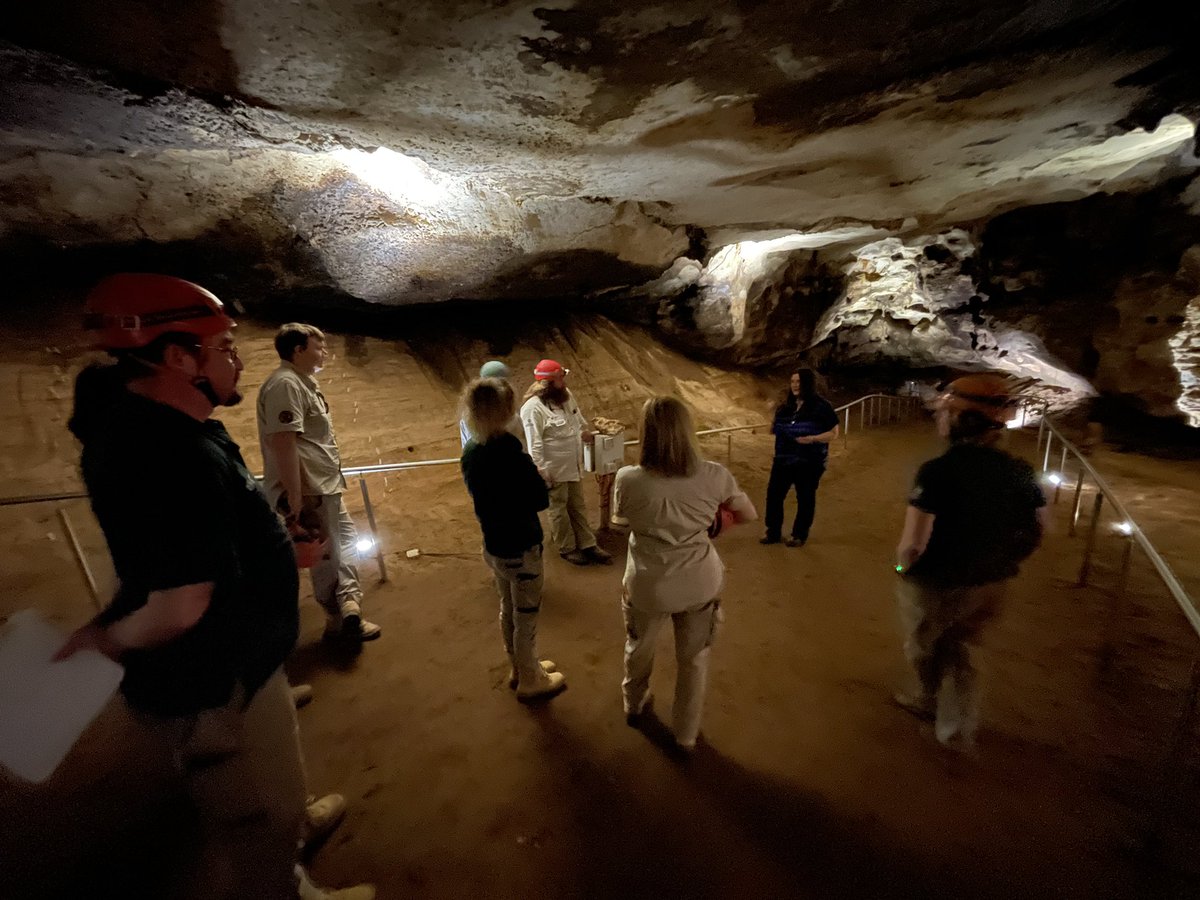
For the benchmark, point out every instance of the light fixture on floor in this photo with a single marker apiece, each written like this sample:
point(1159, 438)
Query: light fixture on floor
point(364, 544)
point(1054, 478)
point(1124, 527)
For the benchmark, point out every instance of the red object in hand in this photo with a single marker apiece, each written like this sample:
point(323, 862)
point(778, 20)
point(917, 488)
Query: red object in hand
point(721, 521)
point(309, 552)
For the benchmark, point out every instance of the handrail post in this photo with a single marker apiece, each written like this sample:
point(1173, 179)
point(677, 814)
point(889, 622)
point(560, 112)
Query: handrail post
point(1046, 457)
point(1062, 471)
point(1041, 431)
point(1086, 567)
point(1076, 502)
point(729, 448)
point(80, 559)
point(846, 433)
point(1126, 559)
point(862, 413)
point(362, 483)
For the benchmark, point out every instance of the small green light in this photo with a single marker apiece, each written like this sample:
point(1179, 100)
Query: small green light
point(899, 568)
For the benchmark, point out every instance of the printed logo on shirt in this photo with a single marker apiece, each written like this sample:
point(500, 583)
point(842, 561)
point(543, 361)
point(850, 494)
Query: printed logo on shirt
point(287, 417)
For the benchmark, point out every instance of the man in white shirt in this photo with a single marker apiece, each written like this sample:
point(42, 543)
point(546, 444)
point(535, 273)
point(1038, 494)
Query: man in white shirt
point(555, 431)
point(303, 473)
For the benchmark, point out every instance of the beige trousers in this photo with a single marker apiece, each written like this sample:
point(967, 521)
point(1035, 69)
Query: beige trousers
point(335, 578)
point(940, 625)
point(569, 527)
point(695, 630)
point(242, 770)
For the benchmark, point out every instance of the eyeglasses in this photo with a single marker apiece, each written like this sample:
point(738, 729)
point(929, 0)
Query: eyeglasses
point(232, 351)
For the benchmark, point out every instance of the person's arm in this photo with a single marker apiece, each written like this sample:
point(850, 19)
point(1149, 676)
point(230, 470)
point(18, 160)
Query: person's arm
point(166, 615)
point(618, 505)
point(586, 433)
point(737, 501)
point(533, 423)
point(918, 526)
point(282, 422)
point(282, 445)
point(823, 438)
point(829, 419)
point(533, 485)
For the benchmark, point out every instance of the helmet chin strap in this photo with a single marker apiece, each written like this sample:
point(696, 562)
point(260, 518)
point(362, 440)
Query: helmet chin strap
point(204, 386)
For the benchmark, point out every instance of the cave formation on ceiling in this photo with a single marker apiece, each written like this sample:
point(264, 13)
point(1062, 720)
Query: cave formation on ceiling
point(1008, 186)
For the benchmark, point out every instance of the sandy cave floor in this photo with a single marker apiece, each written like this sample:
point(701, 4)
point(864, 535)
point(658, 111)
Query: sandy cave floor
point(810, 784)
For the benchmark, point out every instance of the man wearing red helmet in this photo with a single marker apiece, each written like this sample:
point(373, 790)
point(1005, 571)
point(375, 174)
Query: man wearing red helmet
point(205, 613)
point(555, 431)
point(974, 514)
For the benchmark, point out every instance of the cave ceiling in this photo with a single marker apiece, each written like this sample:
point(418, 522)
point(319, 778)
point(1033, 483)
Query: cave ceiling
point(402, 152)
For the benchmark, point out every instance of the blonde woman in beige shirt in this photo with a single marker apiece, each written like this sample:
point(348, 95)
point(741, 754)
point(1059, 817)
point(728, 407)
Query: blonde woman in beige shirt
point(672, 571)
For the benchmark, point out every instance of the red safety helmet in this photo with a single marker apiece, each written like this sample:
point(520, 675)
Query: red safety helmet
point(128, 311)
point(548, 370)
point(985, 393)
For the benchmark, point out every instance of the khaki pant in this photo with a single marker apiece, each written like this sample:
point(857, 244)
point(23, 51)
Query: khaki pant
point(940, 625)
point(695, 630)
point(243, 772)
point(569, 527)
point(519, 584)
point(335, 578)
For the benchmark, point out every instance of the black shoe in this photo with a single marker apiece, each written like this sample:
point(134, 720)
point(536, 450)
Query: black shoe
point(795, 542)
point(576, 557)
point(768, 540)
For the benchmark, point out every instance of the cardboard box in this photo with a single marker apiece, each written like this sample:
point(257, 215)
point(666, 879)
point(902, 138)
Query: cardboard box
point(606, 455)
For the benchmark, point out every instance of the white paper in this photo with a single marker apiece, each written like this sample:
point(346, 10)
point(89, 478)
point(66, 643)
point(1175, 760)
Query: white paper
point(45, 706)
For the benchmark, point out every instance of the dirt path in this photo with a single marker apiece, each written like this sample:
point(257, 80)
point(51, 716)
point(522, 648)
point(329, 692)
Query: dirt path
point(812, 785)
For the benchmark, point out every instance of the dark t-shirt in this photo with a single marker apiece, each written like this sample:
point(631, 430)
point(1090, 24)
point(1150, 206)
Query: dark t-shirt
point(815, 416)
point(508, 494)
point(985, 505)
point(178, 507)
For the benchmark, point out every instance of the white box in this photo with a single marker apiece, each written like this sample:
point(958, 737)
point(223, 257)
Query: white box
point(606, 454)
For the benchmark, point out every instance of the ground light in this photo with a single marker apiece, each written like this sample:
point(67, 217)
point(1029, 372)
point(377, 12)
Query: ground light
point(1054, 478)
point(1124, 527)
point(364, 544)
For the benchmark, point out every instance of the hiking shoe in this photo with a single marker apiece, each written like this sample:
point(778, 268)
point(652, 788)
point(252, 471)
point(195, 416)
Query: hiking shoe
point(321, 816)
point(549, 684)
point(633, 717)
point(597, 555)
point(768, 540)
point(302, 694)
point(795, 542)
point(514, 679)
point(576, 557)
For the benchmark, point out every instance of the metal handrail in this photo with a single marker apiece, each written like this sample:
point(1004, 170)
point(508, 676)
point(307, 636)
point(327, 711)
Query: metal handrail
point(1135, 533)
point(876, 414)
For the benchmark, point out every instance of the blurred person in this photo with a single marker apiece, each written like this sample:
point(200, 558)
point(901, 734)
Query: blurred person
point(205, 611)
point(670, 502)
point(555, 432)
point(804, 424)
point(302, 474)
point(974, 514)
point(493, 368)
point(508, 493)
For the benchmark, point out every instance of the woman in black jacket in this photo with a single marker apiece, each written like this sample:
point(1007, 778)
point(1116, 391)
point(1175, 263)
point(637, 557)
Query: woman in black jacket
point(508, 493)
point(805, 423)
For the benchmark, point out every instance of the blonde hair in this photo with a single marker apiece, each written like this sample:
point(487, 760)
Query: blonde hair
point(488, 406)
point(668, 438)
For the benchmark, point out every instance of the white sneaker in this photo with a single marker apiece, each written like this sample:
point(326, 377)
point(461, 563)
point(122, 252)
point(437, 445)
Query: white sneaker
point(306, 890)
point(549, 684)
point(514, 679)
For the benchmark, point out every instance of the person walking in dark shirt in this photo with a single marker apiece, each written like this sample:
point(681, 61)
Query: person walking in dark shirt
point(804, 425)
point(974, 514)
point(508, 493)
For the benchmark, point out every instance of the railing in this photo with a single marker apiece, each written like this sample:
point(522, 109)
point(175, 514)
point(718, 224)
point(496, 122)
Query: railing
point(874, 409)
point(1171, 765)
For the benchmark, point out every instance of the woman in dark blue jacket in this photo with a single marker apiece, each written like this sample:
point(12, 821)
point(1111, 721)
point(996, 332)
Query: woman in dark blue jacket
point(805, 423)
